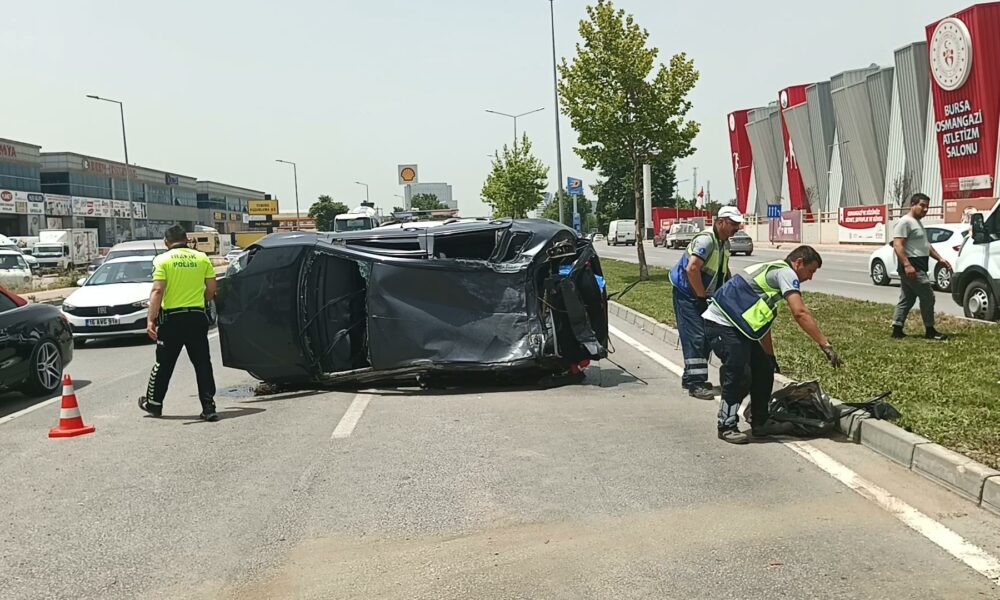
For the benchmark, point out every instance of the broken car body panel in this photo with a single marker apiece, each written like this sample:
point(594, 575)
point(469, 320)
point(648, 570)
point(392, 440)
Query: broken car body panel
point(507, 297)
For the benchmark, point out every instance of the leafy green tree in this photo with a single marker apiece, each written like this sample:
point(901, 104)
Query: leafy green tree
point(583, 205)
point(426, 202)
point(623, 111)
point(616, 198)
point(516, 183)
point(324, 210)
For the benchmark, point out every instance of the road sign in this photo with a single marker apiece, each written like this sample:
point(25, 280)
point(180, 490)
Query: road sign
point(262, 224)
point(576, 222)
point(773, 211)
point(574, 186)
point(262, 207)
point(407, 174)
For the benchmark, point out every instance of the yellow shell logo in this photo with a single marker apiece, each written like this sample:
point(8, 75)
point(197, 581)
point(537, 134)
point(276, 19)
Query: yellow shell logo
point(408, 174)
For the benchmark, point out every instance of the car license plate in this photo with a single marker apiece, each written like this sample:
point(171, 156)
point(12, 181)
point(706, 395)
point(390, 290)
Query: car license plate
point(100, 322)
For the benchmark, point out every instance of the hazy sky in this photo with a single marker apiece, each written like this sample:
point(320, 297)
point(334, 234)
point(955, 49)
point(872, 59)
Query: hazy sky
point(218, 90)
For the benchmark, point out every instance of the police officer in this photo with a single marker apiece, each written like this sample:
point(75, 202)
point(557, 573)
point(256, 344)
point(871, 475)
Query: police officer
point(700, 271)
point(738, 329)
point(183, 282)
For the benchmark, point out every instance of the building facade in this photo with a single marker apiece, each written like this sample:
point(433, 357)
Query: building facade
point(22, 206)
point(63, 190)
point(224, 207)
point(441, 190)
point(875, 135)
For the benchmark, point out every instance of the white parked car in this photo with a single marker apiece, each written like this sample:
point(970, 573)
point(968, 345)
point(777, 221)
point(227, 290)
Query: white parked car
point(14, 269)
point(234, 253)
point(946, 239)
point(113, 301)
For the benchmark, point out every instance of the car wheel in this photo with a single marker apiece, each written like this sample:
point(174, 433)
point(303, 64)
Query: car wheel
point(46, 372)
point(880, 276)
point(942, 279)
point(749, 252)
point(980, 303)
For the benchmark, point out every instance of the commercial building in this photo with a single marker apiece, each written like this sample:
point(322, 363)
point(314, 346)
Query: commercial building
point(22, 206)
point(875, 135)
point(441, 190)
point(224, 207)
point(62, 190)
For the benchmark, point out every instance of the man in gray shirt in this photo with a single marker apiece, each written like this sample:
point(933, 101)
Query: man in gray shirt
point(912, 258)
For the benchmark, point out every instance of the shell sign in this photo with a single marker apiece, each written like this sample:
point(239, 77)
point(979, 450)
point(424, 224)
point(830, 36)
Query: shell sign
point(407, 174)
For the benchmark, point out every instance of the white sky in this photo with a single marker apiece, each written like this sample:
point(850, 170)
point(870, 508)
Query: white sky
point(218, 90)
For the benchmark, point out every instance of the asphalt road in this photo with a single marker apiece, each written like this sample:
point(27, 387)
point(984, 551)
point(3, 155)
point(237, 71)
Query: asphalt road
point(843, 273)
point(613, 489)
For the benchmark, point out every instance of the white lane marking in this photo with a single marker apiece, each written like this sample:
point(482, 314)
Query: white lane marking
point(351, 417)
point(212, 336)
point(850, 282)
point(971, 555)
point(655, 357)
point(51, 401)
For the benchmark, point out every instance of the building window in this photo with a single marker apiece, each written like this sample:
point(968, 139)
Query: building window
point(18, 177)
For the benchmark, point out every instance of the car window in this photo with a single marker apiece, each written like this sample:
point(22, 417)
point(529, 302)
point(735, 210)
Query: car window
point(936, 235)
point(11, 261)
point(126, 253)
point(122, 272)
point(6, 303)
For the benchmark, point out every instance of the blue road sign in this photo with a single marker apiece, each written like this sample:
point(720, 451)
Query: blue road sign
point(773, 211)
point(576, 222)
point(574, 186)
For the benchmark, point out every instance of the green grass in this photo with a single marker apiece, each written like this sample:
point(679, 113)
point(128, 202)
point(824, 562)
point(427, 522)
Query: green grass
point(947, 392)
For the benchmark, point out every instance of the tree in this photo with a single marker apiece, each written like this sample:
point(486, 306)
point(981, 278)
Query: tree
point(397, 209)
point(426, 202)
point(324, 210)
point(902, 188)
point(583, 206)
point(623, 112)
point(516, 183)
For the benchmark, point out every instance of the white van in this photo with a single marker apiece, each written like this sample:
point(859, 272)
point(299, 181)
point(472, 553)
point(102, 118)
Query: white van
point(621, 232)
point(976, 279)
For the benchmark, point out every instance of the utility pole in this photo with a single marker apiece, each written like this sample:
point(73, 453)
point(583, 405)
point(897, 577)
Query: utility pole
point(555, 93)
point(694, 187)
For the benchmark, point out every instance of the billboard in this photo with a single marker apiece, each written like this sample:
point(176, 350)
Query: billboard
point(787, 98)
point(788, 228)
point(961, 211)
point(407, 174)
point(262, 207)
point(742, 155)
point(862, 224)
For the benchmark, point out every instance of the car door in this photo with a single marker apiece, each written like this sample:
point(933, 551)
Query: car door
point(8, 345)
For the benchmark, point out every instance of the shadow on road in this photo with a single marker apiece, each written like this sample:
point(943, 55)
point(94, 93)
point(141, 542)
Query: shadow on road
point(232, 413)
point(12, 402)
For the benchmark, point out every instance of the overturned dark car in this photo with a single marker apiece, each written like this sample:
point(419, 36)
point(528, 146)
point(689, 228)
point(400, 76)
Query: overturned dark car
point(502, 301)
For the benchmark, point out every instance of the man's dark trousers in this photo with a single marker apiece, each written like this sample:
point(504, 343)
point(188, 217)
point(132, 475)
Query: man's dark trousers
point(742, 358)
point(182, 330)
point(691, 327)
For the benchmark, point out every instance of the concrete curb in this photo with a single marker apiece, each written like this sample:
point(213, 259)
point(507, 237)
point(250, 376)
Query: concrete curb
point(957, 472)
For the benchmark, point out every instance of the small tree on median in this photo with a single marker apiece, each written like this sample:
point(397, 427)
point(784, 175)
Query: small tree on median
point(621, 110)
point(324, 210)
point(516, 183)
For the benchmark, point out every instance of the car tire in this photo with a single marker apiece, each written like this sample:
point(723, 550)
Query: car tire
point(942, 279)
point(979, 301)
point(749, 253)
point(46, 372)
point(878, 273)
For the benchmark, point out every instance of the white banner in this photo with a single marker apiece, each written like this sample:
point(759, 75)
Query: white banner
point(57, 206)
point(863, 224)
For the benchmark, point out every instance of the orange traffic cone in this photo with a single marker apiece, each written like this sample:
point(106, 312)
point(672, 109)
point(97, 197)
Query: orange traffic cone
point(70, 422)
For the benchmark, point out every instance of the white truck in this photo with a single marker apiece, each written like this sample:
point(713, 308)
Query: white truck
point(976, 278)
point(65, 249)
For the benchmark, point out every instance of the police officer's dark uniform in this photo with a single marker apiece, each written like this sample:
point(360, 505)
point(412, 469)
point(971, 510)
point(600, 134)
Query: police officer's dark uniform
point(181, 322)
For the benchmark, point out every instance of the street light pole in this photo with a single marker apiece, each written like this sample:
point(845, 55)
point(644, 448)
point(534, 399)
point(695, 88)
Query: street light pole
point(368, 199)
point(295, 175)
point(128, 172)
point(515, 117)
point(555, 93)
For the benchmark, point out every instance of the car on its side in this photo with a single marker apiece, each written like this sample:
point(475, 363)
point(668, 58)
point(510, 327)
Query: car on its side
point(36, 343)
point(946, 239)
point(113, 301)
point(741, 243)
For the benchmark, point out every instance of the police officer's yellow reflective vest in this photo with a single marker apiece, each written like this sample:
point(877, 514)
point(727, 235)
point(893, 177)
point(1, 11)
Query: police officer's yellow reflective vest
point(715, 266)
point(749, 302)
